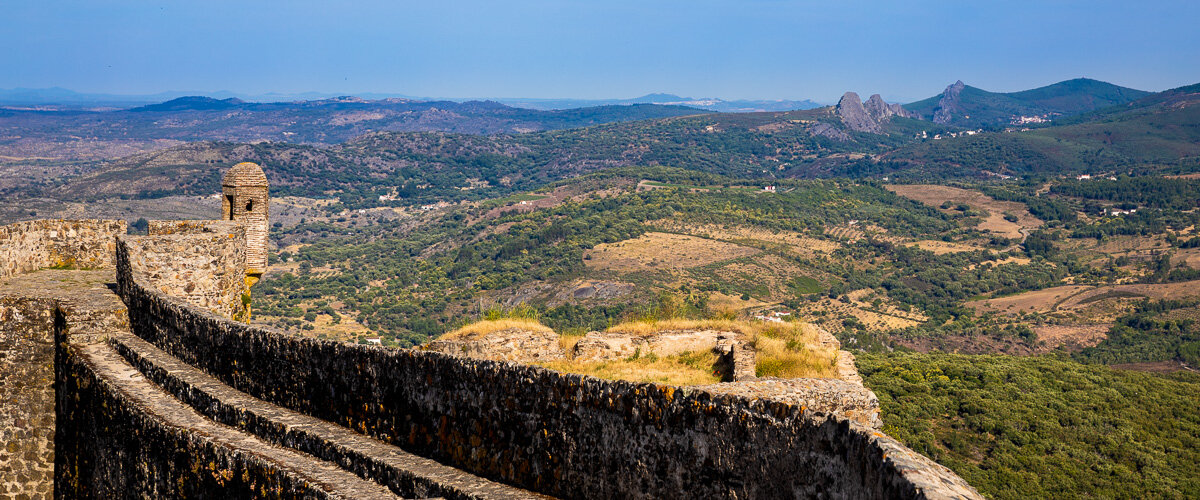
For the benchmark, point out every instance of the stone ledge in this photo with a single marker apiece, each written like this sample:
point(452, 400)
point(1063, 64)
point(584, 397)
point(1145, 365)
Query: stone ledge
point(841, 398)
point(510, 344)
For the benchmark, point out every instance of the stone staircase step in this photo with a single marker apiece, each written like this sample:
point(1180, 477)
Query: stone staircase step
point(402, 472)
point(327, 479)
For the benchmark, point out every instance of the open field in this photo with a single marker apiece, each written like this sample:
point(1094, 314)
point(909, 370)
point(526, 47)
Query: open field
point(1174, 291)
point(1076, 297)
point(1044, 300)
point(653, 251)
point(944, 247)
point(934, 195)
point(884, 317)
point(1007, 260)
point(1071, 335)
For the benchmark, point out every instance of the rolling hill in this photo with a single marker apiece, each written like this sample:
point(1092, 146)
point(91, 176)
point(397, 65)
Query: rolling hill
point(75, 134)
point(966, 106)
point(1158, 132)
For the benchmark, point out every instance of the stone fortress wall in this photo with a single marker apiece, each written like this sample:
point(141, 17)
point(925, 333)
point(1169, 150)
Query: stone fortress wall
point(158, 392)
point(559, 434)
point(27, 418)
point(26, 396)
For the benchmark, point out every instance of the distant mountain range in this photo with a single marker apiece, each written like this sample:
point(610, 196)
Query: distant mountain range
point(58, 96)
point(63, 97)
point(966, 106)
point(709, 104)
point(1156, 133)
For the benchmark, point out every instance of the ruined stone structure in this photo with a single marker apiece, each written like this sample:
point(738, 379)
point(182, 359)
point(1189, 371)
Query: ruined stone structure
point(129, 386)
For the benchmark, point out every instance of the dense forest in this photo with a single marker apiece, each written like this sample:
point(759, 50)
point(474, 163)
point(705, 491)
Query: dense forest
point(1043, 427)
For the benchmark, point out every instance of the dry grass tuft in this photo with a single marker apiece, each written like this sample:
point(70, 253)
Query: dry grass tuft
point(568, 341)
point(485, 327)
point(785, 358)
point(694, 368)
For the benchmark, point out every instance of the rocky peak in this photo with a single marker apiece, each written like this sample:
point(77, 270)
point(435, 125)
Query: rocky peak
point(868, 117)
point(880, 110)
point(948, 104)
point(854, 115)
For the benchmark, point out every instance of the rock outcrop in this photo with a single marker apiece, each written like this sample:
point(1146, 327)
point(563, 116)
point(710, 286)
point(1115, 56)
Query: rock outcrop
point(510, 344)
point(948, 104)
point(826, 130)
point(868, 117)
point(854, 115)
point(880, 110)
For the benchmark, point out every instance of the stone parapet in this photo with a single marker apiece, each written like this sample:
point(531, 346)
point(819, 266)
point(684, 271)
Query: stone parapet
point(204, 267)
point(37, 244)
point(510, 344)
point(824, 396)
point(161, 227)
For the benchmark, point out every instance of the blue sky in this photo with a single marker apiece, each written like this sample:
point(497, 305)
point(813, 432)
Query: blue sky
point(596, 49)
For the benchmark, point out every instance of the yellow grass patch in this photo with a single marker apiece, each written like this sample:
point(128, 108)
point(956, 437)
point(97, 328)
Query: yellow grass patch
point(653, 251)
point(786, 358)
point(750, 328)
point(796, 242)
point(568, 341)
point(494, 325)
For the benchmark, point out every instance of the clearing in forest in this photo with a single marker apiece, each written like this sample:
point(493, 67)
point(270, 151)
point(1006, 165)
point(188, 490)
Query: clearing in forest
point(944, 247)
point(662, 251)
point(1035, 301)
point(1156, 291)
point(994, 222)
point(1076, 297)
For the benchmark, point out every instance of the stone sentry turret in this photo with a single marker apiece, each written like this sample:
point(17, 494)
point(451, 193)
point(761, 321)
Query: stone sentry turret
point(244, 200)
